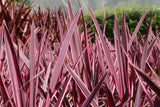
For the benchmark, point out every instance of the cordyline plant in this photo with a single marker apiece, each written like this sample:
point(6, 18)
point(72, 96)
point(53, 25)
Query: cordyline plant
point(46, 59)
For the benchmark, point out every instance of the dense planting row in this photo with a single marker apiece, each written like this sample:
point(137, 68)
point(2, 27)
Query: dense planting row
point(48, 59)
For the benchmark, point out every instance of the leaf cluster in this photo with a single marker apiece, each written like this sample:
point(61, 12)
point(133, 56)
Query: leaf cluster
point(47, 58)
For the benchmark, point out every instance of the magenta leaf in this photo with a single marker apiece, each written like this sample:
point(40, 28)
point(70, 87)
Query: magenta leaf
point(63, 51)
point(107, 53)
point(94, 92)
point(14, 68)
point(143, 63)
point(32, 67)
point(81, 85)
point(136, 30)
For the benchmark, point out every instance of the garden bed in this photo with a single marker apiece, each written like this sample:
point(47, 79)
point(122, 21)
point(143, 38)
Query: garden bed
point(48, 58)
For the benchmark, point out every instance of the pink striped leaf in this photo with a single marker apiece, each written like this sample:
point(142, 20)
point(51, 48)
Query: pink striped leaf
point(63, 52)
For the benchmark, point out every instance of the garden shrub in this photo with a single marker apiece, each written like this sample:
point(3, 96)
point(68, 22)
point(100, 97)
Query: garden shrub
point(133, 14)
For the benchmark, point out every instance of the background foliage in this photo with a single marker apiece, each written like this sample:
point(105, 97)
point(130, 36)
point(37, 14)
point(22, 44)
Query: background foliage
point(133, 14)
point(27, 2)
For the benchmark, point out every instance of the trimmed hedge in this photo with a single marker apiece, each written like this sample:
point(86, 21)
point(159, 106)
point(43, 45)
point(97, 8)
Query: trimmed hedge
point(133, 14)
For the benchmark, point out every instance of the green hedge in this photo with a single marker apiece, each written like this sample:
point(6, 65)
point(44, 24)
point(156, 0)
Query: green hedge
point(26, 2)
point(133, 15)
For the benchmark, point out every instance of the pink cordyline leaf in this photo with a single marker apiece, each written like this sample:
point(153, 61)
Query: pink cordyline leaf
point(79, 58)
point(149, 50)
point(125, 104)
point(155, 75)
point(42, 47)
point(75, 44)
point(14, 69)
point(110, 98)
point(47, 77)
point(63, 92)
point(150, 82)
point(87, 58)
point(62, 53)
point(22, 55)
point(45, 16)
point(136, 30)
point(158, 43)
point(94, 92)
point(145, 90)
point(153, 85)
point(90, 28)
point(2, 57)
point(45, 83)
point(70, 11)
point(87, 61)
point(59, 24)
point(36, 41)
point(143, 64)
point(3, 88)
point(76, 36)
point(4, 92)
point(107, 54)
point(81, 85)
point(104, 21)
point(119, 56)
point(32, 99)
point(42, 41)
point(128, 35)
point(92, 80)
point(0, 31)
point(24, 58)
point(125, 60)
